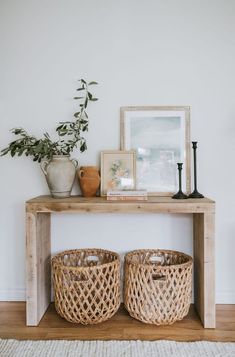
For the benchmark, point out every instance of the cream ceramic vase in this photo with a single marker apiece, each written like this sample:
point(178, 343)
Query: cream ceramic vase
point(60, 174)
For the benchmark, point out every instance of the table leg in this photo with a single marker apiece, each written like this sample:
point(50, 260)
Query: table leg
point(204, 267)
point(38, 266)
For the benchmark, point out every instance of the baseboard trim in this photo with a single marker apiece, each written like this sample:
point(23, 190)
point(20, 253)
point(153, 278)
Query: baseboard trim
point(225, 298)
point(12, 295)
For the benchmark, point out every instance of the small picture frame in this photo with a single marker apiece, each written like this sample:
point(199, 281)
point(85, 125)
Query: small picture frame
point(117, 170)
point(161, 138)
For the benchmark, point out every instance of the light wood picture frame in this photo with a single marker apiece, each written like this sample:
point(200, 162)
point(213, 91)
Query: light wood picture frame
point(118, 170)
point(160, 135)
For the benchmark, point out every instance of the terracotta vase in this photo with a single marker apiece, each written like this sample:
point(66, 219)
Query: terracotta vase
point(89, 180)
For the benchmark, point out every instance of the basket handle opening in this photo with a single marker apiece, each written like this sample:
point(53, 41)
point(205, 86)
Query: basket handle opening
point(155, 259)
point(159, 277)
point(92, 259)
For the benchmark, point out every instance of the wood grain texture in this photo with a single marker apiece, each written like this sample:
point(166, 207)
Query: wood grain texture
point(204, 269)
point(101, 205)
point(120, 327)
point(38, 266)
point(198, 234)
point(209, 270)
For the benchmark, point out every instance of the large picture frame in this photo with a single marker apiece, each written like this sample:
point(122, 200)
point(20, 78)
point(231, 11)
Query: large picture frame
point(118, 170)
point(160, 135)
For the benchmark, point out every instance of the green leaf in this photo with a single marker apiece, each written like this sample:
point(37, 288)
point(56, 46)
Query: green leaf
point(47, 136)
point(82, 88)
point(82, 80)
point(4, 151)
point(64, 130)
point(94, 99)
point(38, 148)
point(91, 83)
point(83, 147)
point(17, 131)
point(89, 95)
point(59, 127)
point(78, 97)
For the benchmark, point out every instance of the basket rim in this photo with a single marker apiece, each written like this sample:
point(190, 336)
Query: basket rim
point(130, 254)
point(54, 260)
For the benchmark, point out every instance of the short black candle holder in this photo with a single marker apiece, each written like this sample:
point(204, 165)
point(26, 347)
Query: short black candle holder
point(195, 193)
point(180, 195)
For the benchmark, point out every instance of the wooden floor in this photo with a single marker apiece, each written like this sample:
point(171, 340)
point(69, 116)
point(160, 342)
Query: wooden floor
point(120, 327)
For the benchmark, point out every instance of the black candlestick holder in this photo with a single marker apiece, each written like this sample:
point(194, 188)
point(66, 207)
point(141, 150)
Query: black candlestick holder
point(180, 195)
point(195, 193)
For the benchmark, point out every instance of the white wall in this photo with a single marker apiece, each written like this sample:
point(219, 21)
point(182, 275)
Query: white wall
point(153, 52)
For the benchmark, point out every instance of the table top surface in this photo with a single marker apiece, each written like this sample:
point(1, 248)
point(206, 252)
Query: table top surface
point(103, 200)
point(78, 204)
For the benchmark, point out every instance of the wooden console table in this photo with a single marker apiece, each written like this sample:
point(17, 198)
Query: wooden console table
point(38, 245)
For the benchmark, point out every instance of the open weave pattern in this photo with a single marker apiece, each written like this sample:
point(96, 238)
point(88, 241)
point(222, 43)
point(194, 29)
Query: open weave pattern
point(158, 285)
point(87, 285)
point(12, 348)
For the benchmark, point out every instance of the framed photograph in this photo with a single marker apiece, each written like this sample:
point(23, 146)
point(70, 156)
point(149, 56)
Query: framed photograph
point(161, 138)
point(117, 170)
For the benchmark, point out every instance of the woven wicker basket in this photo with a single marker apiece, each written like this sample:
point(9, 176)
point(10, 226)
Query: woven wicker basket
point(87, 285)
point(158, 285)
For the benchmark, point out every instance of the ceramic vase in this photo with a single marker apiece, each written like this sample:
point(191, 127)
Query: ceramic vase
point(60, 174)
point(89, 180)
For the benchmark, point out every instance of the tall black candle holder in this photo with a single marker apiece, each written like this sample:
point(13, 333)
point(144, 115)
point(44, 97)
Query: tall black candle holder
point(180, 195)
point(195, 193)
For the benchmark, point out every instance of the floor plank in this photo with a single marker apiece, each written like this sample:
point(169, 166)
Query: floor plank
point(120, 327)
